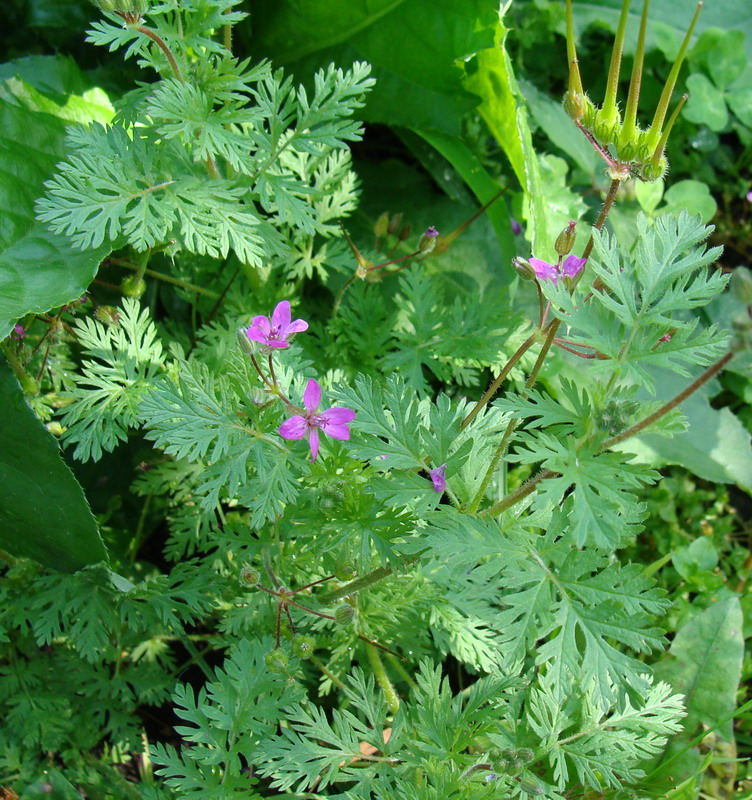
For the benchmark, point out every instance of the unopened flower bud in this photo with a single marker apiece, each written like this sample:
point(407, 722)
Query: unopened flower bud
point(580, 108)
point(405, 231)
point(565, 240)
point(344, 614)
point(127, 7)
point(381, 226)
point(55, 428)
point(29, 385)
point(133, 286)
point(277, 660)
point(394, 223)
point(108, 315)
point(303, 646)
point(523, 269)
point(428, 240)
point(530, 787)
point(741, 284)
point(248, 576)
point(516, 227)
point(246, 345)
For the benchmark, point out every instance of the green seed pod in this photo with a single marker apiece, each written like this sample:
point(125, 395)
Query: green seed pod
point(606, 126)
point(277, 660)
point(248, 577)
point(381, 226)
point(565, 240)
point(580, 108)
point(530, 787)
point(344, 614)
point(303, 646)
point(654, 170)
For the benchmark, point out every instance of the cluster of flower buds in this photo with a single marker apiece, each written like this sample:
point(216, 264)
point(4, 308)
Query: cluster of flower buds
point(130, 10)
point(627, 148)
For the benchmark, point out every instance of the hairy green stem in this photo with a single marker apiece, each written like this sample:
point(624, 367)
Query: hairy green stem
point(355, 586)
point(529, 486)
point(164, 48)
point(377, 665)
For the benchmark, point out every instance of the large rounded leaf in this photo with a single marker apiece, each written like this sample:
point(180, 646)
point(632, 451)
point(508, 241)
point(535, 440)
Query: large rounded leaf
point(38, 269)
point(43, 511)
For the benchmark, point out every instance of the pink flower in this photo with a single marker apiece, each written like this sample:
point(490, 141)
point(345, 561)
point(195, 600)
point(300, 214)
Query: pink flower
point(19, 332)
point(438, 477)
point(333, 422)
point(274, 333)
point(571, 267)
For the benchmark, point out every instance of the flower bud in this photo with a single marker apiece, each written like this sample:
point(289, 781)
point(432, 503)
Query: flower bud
point(127, 7)
point(741, 284)
point(565, 240)
point(108, 315)
point(394, 223)
point(344, 614)
point(303, 646)
point(246, 345)
point(248, 577)
point(344, 570)
point(530, 787)
point(55, 428)
point(381, 226)
point(133, 286)
point(523, 269)
point(405, 231)
point(580, 108)
point(428, 240)
point(277, 660)
point(29, 385)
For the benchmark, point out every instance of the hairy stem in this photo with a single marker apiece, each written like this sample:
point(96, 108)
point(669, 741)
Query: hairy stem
point(377, 665)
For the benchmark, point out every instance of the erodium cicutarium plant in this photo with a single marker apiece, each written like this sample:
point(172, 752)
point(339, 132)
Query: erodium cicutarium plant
point(371, 541)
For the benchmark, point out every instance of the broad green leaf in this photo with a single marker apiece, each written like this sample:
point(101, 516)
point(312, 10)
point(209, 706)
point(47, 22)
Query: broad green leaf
point(704, 663)
point(649, 195)
point(727, 61)
point(691, 196)
point(43, 512)
point(415, 47)
point(502, 107)
point(480, 182)
point(716, 446)
point(668, 20)
point(706, 105)
point(38, 269)
point(739, 97)
point(93, 104)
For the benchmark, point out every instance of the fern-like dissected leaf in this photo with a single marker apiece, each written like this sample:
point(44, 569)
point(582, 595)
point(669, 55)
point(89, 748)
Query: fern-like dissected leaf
point(637, 318)
point(605, 744)
point(123, 360)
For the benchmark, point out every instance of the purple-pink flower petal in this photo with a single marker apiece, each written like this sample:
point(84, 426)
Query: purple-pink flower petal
point(544, 270)
point(312, 395)
point(281, 315)
point(294, 428)
point(296, 326)
point(313, 440)
point(573, 266)
point(438, 478)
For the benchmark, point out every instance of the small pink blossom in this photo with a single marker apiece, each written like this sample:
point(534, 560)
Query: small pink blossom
point(274, 333)
point(19, 332)
point(544, 271)
point(438, 478)
point(333, 422)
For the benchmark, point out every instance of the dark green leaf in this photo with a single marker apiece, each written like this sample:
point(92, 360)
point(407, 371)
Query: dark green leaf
point(38, 269)
point(43, 511)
